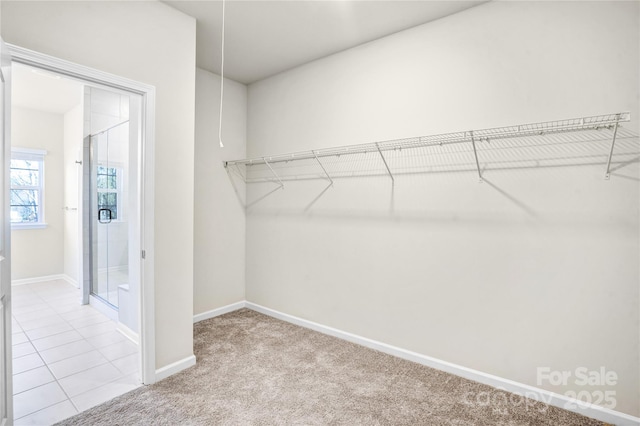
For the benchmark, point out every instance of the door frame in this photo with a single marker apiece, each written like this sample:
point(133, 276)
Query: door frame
point(146, 172)
point(6, 373)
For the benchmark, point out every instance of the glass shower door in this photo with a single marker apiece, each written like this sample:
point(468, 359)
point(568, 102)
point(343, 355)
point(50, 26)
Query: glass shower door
point(109, 229)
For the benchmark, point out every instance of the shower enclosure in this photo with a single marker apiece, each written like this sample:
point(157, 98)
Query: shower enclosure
point(108, 230)
point(110, 208)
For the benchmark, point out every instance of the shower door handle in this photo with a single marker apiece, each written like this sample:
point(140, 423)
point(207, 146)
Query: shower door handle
point(107, 216)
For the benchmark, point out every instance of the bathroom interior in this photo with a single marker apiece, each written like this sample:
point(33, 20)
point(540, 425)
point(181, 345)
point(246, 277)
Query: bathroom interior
point(83, 230)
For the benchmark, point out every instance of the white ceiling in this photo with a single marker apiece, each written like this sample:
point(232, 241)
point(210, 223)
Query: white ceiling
point(43, 91)
point(263, 38)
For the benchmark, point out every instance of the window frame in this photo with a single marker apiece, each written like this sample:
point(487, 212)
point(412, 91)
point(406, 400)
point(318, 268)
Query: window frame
point(118, 190)
point(31, 155)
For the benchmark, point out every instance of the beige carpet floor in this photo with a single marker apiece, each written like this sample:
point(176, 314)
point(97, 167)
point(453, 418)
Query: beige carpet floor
point(256, 370)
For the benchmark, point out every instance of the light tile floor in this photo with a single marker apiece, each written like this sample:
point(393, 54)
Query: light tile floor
point(67, 357)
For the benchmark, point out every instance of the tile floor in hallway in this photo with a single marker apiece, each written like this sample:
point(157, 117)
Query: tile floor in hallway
point(67, 357)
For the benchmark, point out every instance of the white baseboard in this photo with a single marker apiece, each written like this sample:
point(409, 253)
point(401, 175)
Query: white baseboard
point(41, 279)
point(103, 307)
point(219, 311)
point(127, 332)
point(176, 367)
point(70, 280)
point(551, 398)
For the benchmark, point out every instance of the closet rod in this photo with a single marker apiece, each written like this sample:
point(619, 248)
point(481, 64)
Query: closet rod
point(597, 122)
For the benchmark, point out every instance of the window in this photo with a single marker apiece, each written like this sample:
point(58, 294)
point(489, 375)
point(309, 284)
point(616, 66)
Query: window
point(109, 184)
point(27, 188)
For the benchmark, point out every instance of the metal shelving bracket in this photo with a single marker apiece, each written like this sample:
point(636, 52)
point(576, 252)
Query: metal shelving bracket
point(393, 181)
point(613, 143)
point(322, 167)
point(273, 171)
point(475, 154)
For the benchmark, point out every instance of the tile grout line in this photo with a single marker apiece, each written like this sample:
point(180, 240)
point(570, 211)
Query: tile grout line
point(56, 379)
point(57, 383)
point(42, 409)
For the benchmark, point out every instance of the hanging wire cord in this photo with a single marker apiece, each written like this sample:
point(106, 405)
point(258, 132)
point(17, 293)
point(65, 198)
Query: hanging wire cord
point(221, 78)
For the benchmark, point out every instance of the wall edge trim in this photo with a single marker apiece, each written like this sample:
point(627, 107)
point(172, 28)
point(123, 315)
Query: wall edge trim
point(175, 367)
point(128, 333)
point(40, 279)
point(70, 280)
point(219, 311)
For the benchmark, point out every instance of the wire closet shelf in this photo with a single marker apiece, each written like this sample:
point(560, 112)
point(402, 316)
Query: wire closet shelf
point(389, 152)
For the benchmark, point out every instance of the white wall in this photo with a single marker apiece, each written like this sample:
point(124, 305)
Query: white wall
point(73, 122)
point(38, 252)
point(535, 267)
point(152, 43)
point(219, 240)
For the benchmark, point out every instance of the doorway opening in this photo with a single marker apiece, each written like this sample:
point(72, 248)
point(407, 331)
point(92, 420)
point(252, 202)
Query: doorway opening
point(98, 209)
point(71, 204)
